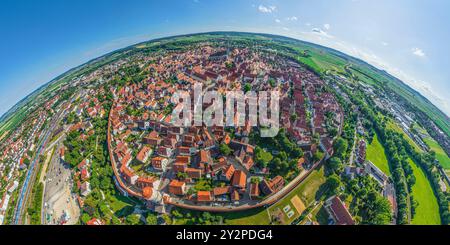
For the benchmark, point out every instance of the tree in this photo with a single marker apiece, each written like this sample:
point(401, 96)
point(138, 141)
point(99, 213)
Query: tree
point(297, 152)
point(132, 219)
point(26, 161)
point(335, 164)
point(340, 147)
point(225, 149)
point(151, 219)
point(332, 184)
point(247, 87)
point(294, 116)
point(85, 218)
point(115, 220)
point(317, 155)
point(379, 212)
point(272, 82)
point(262, 157)
point(333, 131)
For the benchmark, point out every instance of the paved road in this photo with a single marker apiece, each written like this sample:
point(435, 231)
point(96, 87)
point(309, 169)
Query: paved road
point(31, 174)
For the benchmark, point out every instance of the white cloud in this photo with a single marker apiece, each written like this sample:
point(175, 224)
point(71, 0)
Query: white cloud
point(321, 32)
point(266, 9)
point(327, 26)
point(277, 20)
point(285, 28)
point(292, 18)
point(418, 52)
point(384, 43)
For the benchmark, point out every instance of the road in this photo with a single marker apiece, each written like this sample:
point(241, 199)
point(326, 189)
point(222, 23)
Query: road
point(352, 153)
point(32, 172)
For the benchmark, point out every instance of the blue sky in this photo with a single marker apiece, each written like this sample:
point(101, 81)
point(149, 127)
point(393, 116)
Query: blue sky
point(39, 40)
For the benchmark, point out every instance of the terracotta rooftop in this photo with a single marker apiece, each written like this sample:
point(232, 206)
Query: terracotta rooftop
point(147, 192)
point(341, 213)
point(239, 179)
point(204, 196)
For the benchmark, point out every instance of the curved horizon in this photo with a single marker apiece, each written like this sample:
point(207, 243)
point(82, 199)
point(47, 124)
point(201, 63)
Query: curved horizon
point(404, 38)
point(128, 46)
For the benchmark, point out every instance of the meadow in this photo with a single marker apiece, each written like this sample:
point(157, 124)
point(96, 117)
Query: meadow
point(427, 211)
point(376, 154)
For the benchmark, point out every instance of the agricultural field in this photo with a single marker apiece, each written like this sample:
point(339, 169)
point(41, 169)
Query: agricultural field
point(376, 154)
point(427, 212)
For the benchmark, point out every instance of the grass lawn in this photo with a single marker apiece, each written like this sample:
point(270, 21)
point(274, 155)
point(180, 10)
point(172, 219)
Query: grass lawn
point(250, 217)
point(441, 156)
point(307, 191)
point(119, 202)
point(375, 153)
point(257, 216)
point(427, 212)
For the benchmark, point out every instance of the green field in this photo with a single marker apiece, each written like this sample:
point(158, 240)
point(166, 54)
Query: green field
point(375, 153)
point(251, 217)
point(427, 212)
point(441, 156)
point(118, 202)
point(392, 125)
point(307, 191)
point(257, 216)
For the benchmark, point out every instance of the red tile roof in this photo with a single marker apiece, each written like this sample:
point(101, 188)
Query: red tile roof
point(340, 212)
point(239, 179)
point(221, 190)
point(204, 196)
point(229, 172)
point(176, 187)
point(147, 192)
point(254, 190)
point(143, 153)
